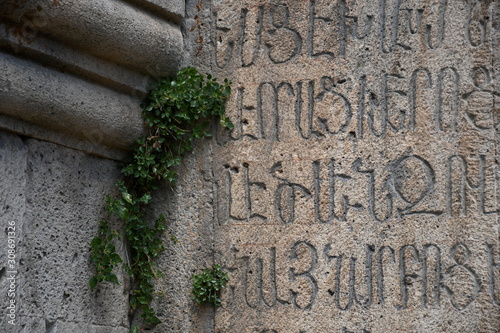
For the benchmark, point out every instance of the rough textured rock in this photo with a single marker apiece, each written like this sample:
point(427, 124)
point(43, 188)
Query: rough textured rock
point(358, 191)
point(55, 197)
point(65, 104)
point(73, 73)
point(12, 209)
point(173, 9)
point(188, 209)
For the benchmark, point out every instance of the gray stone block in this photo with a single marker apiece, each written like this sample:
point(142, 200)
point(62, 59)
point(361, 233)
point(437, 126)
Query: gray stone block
point(91, 65)
point(13, 167)
point(58, 194)
point(66, 200)
point(50, 53)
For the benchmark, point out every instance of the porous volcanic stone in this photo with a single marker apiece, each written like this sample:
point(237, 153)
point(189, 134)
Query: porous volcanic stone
point(54, 197)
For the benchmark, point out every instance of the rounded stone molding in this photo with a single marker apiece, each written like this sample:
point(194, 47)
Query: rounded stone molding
point(79, 69)
point(109, 29)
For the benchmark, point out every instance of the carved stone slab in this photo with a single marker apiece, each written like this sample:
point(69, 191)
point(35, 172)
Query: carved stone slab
point(358, 191)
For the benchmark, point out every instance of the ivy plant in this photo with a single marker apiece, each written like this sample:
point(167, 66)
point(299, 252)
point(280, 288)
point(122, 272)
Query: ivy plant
point(208, 284)
point(176, 112)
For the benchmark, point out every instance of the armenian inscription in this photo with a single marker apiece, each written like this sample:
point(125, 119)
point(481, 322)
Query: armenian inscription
point(359, 188)
point(422, 277)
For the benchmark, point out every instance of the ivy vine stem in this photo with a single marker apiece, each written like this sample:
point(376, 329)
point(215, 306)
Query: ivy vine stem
point(176, 112)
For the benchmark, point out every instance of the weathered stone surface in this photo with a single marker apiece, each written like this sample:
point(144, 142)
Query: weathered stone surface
point(69, 105)
point(69, 60)
point(80, 68)
point(172, 9)
point(358, 191)
point(12, 209)
point(90, 143)
point(189, 211)
point(57, 195)
point(110, 29)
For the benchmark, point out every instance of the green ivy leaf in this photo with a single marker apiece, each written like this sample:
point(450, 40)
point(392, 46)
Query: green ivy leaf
point(113, 278)
point(93, 282)
point(127, 197)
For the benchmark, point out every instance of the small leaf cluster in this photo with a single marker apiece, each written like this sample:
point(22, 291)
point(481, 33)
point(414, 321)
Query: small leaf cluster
point(208, 284)
point(176, 113)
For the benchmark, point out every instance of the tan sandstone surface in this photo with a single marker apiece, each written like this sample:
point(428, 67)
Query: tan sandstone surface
point(358, 190)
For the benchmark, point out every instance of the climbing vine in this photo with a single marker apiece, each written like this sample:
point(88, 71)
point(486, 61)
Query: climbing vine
point(176, 112)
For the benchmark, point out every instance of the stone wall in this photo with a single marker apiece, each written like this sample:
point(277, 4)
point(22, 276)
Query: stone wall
point(52, 198)
point(358, 191)
point(72, 76)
